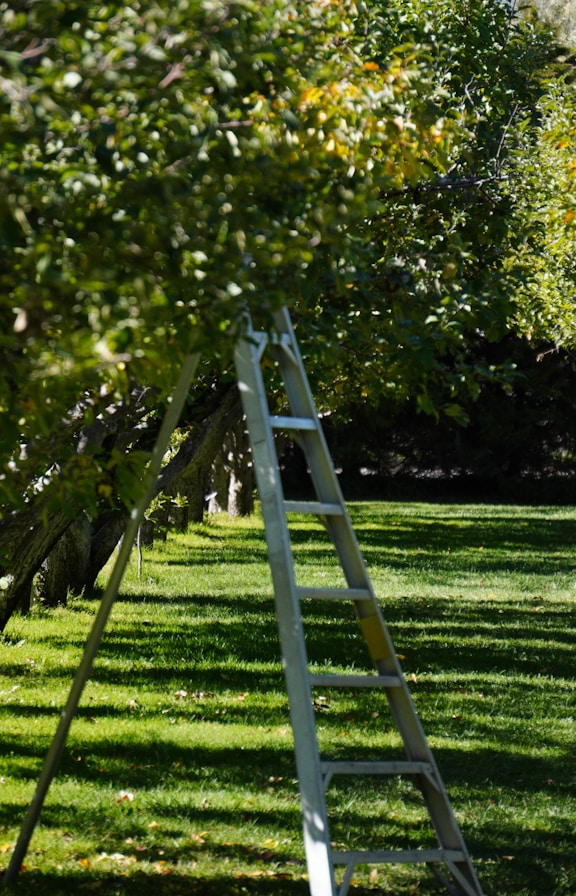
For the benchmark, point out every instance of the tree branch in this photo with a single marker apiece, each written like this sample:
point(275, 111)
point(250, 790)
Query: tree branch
point(462, 183)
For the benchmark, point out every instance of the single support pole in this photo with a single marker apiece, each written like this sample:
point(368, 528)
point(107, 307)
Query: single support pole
point(54, 755)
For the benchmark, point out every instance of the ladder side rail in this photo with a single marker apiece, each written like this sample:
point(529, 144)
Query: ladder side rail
point(317, 454)
point(294, 657)
point(413, 736)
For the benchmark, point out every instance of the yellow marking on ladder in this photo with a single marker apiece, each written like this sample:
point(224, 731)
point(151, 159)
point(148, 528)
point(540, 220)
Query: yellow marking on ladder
point(375, 637)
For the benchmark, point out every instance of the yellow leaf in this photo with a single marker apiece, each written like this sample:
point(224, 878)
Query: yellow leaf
point(311, 95)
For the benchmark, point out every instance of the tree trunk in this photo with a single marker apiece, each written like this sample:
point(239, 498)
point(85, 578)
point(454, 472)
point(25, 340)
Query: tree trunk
point(146, 534)
point(25, 542)
point(178, 517)
point(219, 484)
point(64, 569)
point(23, 596)
point(194, 484)
point(27, 538)
point(107, 530)
point(241, 483)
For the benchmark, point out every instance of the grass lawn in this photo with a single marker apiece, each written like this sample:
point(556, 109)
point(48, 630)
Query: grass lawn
point(178, 777)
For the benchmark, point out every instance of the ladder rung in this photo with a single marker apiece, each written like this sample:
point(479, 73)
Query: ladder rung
point(317, 507)
point(386, 856)
point(296, 423)
point(356, 681)
point(378, 767)
point(334, 593)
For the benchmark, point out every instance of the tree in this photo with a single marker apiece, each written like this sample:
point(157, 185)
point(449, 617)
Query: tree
point(163, 167)
point(445, 259)
point(467, 258)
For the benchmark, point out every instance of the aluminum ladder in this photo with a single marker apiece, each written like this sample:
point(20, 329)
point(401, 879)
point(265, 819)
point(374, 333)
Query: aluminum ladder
point(450, 860)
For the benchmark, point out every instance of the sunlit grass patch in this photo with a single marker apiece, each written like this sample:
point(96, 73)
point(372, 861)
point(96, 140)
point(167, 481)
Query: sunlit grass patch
point(179, 776)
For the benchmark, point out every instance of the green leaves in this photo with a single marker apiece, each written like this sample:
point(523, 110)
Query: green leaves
point(163, 165)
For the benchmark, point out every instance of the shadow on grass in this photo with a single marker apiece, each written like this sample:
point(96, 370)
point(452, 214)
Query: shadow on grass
point(218, 645)
point(173, 884)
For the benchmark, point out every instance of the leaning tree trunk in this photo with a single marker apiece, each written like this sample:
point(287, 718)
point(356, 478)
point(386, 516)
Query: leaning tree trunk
point(28, 536)
point(25, 541)
point(28, 541)
point(78, 557)
point(65, 566)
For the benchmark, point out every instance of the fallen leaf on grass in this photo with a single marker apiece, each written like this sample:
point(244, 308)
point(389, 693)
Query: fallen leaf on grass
point(161, 867)
point(118, 858)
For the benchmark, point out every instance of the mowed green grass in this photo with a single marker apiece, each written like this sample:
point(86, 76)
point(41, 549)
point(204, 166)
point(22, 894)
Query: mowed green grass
point(178, 777)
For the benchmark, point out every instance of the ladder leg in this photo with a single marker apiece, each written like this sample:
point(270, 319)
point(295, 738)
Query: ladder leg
point(294, 657)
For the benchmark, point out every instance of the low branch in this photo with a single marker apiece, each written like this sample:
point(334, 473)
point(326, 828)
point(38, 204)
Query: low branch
point(462, 183)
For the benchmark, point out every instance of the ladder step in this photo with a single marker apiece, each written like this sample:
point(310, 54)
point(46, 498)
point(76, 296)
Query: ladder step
point(293, 423)
point(378, 767)
point(408, 856)
point(334, 594)
point(356, 681)
point(316, 507)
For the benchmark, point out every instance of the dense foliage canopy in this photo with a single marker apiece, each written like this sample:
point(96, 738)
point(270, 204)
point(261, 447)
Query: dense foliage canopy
point(165, 163)
point(456, 251)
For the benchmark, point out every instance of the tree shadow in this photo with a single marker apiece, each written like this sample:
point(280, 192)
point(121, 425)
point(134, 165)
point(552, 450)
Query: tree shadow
point(480, 659)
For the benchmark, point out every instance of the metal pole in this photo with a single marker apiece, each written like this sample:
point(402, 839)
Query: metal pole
point(54, 755)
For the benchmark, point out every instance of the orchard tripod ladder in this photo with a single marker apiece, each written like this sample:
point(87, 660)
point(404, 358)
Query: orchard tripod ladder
point(449, 860)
